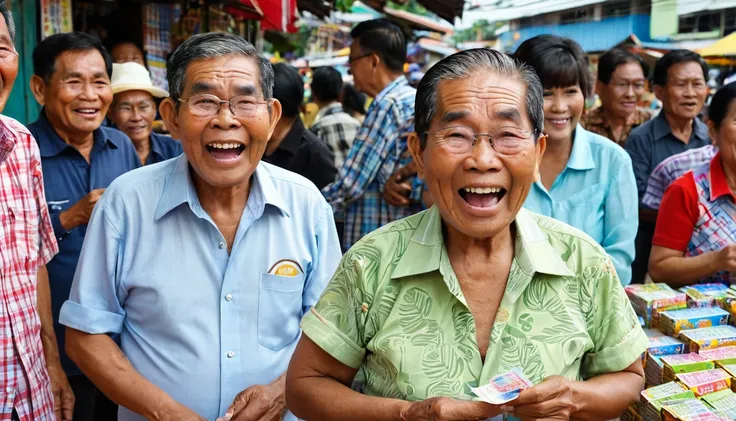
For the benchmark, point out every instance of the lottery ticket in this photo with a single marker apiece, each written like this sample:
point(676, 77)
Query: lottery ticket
point(503, 388)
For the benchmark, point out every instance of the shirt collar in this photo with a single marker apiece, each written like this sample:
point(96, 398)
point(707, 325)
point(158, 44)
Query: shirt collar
point(718, 183)
point(662, 128)
point(179, 189)
point(50, 143)
point(581, 157)
point(333, 108)
point(399, 81)
point(533, 252)
point(294, 138)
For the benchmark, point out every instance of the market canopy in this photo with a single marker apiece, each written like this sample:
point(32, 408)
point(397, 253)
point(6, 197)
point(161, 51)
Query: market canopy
point(726, 46)
point(446, 9)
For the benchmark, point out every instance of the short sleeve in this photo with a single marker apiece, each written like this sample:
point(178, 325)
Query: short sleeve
point(617, 336)
point(337, 322)
point(94, 306)
point(639, 151)
point(48, 247)
point(677, 215)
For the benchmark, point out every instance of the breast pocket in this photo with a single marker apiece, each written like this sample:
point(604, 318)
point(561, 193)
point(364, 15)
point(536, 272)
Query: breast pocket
point(279, 310)
point(584, 210)
point(20, 234)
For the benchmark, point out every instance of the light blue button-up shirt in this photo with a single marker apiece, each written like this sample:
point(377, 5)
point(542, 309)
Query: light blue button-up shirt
point(199, 323)
point(597, 194)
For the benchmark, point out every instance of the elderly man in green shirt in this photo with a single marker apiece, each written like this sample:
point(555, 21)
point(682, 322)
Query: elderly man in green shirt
point(476, 285)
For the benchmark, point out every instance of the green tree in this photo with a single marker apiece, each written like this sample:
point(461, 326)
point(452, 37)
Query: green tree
point(481, 30)
point(411, 6)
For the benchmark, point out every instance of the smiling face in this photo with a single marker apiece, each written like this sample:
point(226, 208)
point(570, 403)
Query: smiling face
point(685, 92)
point(563, 108)
point(8, 64)
point(479, 192)
point(223, 150)
point(621, 94)
point(133, 112)
point(77, 97)
point(725, 136)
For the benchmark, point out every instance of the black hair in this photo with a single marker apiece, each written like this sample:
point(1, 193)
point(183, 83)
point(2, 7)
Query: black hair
point(721, 103)
point(559, 62)
point(383, 38)
point(661, 70)
point(609, 62)
point(326, 84)
point(48, 50)
point(352, 100)
point(212, 45)
point(466, 64)
point(288, 88)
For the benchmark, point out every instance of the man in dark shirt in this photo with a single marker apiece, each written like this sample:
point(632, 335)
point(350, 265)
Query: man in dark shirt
point(680, 83)
point(79, 160)
point(292, 146)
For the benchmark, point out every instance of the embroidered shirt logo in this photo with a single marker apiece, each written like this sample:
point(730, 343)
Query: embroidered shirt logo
point(286, 267)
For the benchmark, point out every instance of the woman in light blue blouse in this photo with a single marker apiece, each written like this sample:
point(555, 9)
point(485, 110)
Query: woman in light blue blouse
point(585, 180)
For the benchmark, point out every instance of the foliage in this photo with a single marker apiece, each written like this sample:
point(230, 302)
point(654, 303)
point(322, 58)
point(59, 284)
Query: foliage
point(411, 6)
point(486, 31)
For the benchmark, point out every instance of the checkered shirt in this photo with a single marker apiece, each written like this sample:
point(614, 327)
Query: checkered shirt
point(379, 149)
point(673, 168)
point(26, 243)
point(337, 129)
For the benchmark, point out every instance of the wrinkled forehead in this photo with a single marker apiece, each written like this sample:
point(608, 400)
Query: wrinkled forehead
point(236, 75)
point(486, 98)
point(688, 70)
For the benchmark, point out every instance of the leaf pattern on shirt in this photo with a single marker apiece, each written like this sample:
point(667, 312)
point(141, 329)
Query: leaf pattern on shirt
point(444, 366)
point(520, 352)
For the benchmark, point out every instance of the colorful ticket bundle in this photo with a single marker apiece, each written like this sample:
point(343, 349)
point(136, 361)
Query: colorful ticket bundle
point(708, 338)
point(688, 410)
point(685, 363)
point(653, 398)
point(723, 403)
point(654, 371)
point(704, 295)
point(672, 322)
point(650, 299)
point(723, 356)
point(503, 388)
point(665, 345)
point(704, 382)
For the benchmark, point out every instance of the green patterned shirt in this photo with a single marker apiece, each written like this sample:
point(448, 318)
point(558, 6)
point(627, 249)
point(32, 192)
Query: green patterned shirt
point(395, 311)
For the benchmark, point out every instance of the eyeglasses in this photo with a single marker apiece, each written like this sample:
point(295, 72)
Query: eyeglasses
point(506, 140)
point(206, 105)
point(624, 86)
point(352, 60)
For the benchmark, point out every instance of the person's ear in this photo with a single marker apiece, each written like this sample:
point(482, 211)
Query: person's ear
point(375, 61)
point(539, 153)
point(659, 92)
point(170, 115)
point(38, 86)
point(274, 110)
point(415, 148)
point(599, 86)
point(712, 131)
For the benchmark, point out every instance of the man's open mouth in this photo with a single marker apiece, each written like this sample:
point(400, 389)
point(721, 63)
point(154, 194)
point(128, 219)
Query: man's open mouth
point(225, 150)
point(482, 197)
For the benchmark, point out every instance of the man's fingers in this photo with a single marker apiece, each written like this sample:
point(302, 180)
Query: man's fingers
point(67, 406)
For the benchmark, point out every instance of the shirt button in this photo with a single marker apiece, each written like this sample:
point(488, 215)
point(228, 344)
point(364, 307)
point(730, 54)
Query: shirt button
point(221, 245)
point(229, 297)
point(230, 354)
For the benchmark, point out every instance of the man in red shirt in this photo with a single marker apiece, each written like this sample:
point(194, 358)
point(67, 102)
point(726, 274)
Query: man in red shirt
point(33, 386)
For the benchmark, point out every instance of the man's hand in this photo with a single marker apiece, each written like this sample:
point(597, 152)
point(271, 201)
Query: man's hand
point(448, 409)
point(727, 258)
point(550, 400)
point(397, 189)
point(81, 211)
point(259, 403)
point(62, 391)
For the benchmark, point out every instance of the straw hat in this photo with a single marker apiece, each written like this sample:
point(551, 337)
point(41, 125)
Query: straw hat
point(133, 77)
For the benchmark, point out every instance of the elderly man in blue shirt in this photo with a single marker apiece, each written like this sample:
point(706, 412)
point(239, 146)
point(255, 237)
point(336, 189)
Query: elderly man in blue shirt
point(204, 263)
point(79, 160)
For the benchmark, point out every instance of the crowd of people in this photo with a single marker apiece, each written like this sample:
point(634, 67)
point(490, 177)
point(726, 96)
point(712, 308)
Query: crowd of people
point(367, 265)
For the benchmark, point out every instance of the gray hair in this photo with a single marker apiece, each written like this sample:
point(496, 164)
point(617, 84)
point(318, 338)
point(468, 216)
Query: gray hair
point(9, 22)
point(211, 45)
point(463, 65)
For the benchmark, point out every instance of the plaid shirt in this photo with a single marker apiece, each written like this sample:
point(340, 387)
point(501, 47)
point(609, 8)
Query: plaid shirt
point(673, 168)
point(378, 151)
point(595, 121)
point(337, 129)
point(26, 243)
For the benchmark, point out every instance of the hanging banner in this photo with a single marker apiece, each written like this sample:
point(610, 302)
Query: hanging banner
point(56, 17)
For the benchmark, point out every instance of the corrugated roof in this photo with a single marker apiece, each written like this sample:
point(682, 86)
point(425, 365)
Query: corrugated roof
point(506, 10)
point(686, 7)
point(446, 9)
point(417, 22)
